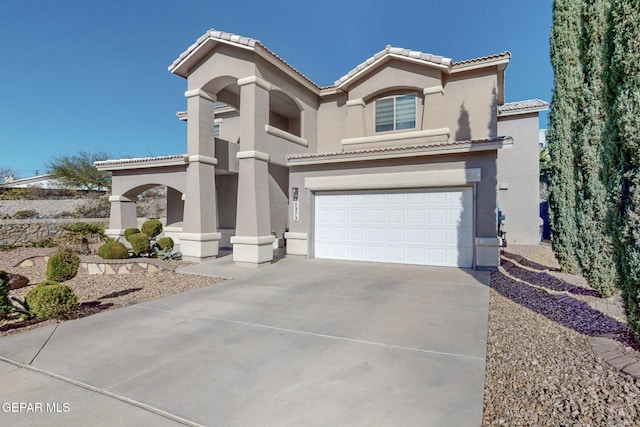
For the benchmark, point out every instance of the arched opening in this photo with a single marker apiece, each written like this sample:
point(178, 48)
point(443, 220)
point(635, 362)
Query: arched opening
point(285, 113)
point(158, 201)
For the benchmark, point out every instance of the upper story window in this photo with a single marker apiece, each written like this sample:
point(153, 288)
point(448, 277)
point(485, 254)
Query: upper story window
point(396, 113)
point(216, 130)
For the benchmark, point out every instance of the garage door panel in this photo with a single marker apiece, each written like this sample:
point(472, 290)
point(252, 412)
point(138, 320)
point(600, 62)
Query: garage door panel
point(375, 216)
point(375, 235)
point(426, 226)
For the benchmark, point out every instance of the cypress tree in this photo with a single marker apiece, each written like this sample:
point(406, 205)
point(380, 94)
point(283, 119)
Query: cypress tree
point(623, 146)
point(565, 59)
point(594, 248)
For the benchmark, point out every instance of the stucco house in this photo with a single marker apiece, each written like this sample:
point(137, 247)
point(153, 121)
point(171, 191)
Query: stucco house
point(405, 159)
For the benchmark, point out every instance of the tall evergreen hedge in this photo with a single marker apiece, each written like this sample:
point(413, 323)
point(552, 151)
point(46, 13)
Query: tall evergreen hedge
point(565, 59)
point(594, 250)
point(623, 141)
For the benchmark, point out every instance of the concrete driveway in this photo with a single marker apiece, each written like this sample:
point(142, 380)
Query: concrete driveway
point(299, 342)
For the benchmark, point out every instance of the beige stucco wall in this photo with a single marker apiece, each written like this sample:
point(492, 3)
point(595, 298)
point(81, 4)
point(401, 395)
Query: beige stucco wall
point(518, 179)
point(470, 105)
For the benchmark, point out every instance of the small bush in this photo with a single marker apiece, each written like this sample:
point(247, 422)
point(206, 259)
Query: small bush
point(165, 243)
point(140, 243)
point(113, 250)
point(5, 305)
point(62, 266)
point(24, 214)
point(129, 231)
point(86, 229)
point(50, 299)
point(152, 227)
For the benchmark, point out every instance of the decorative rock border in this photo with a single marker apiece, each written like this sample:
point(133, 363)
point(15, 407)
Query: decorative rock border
point(107, 266)
point(603, 346)
point(606, 349)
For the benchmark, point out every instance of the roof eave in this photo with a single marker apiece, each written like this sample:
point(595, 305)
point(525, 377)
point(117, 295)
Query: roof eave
point(522, 111)
point(501, 62)
point(343, 85)
point(182, 67)
point(266, 54)
point(401, 152)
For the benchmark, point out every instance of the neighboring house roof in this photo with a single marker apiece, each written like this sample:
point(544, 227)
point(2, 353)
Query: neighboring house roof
point(400, 151)
point(522, 107)
point(212, 38)
point(39, 181)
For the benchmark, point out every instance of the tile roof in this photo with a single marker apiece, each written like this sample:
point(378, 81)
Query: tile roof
point(408, 149)
point(397, 51)
point(214, 34)
point(522, 107)
point(141, 161)
point(503, 55)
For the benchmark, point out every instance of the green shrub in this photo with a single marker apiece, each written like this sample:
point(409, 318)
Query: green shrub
point(152, 227)
point(86, 229)
point(165, 243)
point(129, 231)
point(50, 299)
point(140, 243)
point(62, 266)
point(45, 243)
point(113, 250)
point(24, 214)
point(5, 304)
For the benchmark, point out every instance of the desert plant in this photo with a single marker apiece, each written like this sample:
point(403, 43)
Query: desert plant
point(83, 232)
point(62, 266)
point(140, 243)
point(50, 299)
point(5, 305)
point(165, 243)
point(128, 232)
point(113, 250)
point(79, 170)
point(152, 227)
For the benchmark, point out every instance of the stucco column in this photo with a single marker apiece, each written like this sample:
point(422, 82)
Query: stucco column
point(123, 215)
point(433, 112)
point(199, 237)
point(356, 125)
point(253, 240)
point(254, 112)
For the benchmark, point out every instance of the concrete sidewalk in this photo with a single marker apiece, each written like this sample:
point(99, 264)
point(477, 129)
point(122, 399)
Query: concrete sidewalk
point(299, 342)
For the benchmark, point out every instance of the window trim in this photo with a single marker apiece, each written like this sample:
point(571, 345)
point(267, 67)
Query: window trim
point(394, 120)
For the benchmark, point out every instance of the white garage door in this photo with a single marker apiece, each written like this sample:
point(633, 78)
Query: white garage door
point(424, 226)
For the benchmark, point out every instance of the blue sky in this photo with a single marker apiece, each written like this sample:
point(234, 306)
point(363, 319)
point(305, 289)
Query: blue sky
point(92, 75)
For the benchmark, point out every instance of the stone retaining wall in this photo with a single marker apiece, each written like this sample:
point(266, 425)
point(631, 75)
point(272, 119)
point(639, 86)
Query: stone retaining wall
point(23, 232)
point(107, 266)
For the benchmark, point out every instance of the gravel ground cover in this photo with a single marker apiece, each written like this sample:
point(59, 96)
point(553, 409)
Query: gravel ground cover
point(541, 369)
point(97, 293)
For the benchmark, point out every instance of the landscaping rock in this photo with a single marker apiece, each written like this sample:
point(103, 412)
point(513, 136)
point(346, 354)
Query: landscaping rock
point(17, 281)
